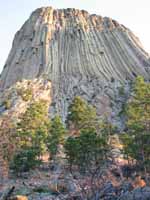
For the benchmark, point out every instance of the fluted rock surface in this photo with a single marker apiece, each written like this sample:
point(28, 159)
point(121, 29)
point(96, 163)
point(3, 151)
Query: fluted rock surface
point(81, 54)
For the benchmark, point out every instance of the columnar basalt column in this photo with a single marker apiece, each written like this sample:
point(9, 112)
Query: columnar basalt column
point(81, 54)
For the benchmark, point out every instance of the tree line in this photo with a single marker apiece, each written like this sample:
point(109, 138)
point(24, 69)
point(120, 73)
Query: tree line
point(84, 137)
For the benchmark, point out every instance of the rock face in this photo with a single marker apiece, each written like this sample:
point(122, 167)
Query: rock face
point(81, 54)
point(15, 100)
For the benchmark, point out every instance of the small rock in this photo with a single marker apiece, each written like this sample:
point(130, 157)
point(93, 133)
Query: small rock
point(19, 197)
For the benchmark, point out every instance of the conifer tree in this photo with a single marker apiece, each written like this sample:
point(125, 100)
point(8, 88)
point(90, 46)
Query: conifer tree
point(137, 139)
point(55, 137)
point(88, 151)
point(31, 133)
point(81, 115)
point(34, 124)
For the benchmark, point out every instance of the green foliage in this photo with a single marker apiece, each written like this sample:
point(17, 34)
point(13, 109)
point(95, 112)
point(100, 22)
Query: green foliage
point(106, 128)
point(81, 115)
point(42, 189)
point(139, 106)
point(32, 131)
point(123, 110)
point(7, 138)
point(121, 90)
point(137, 140)
point(88, 151)
point(24, 160)
point(129, 148)
point(55, 137)
point(7, 104)
point(33, 121)
point(26, 94)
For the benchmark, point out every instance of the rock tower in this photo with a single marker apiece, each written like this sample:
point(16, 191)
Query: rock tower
point(81, 54)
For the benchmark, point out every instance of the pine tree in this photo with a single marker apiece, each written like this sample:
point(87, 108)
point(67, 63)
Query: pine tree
point(34, 125)
point(88, 151)
point(55, 137)
point(137, 140)
point(81, 115)
point(31, 133)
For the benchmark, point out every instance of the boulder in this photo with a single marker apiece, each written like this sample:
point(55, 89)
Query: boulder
point(19, 197)
point(136, 194)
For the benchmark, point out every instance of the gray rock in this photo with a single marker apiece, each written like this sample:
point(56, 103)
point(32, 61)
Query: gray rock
point(136, 194)
point(81, 54)
point(108, 192)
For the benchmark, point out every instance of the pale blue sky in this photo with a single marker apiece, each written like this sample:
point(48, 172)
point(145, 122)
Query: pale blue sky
point(135, 14)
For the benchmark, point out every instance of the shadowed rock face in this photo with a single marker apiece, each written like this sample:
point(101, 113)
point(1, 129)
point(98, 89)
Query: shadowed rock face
point(81, 54)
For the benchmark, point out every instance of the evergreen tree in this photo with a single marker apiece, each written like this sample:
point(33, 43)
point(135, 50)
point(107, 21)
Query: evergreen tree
point(34, 125)
point(81, 115)
point(88, 151)
point(55, 137)
point(7, 143)
point(137, 139)
point(32, 131)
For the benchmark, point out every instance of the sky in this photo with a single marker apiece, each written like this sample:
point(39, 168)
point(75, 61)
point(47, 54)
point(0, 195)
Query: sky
point(134, 14)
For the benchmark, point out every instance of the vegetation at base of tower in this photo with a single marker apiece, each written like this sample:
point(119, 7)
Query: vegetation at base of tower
point(81, 114)
point(86, 140)
point(26, 94)
point(7, 138)
point(56, 136)
point(25, 159)
point(88, 152)
point(7, 103)
point(31, 133)
point(88, 155)
point(34, 125)
point(121, 90)
point(136, 140)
